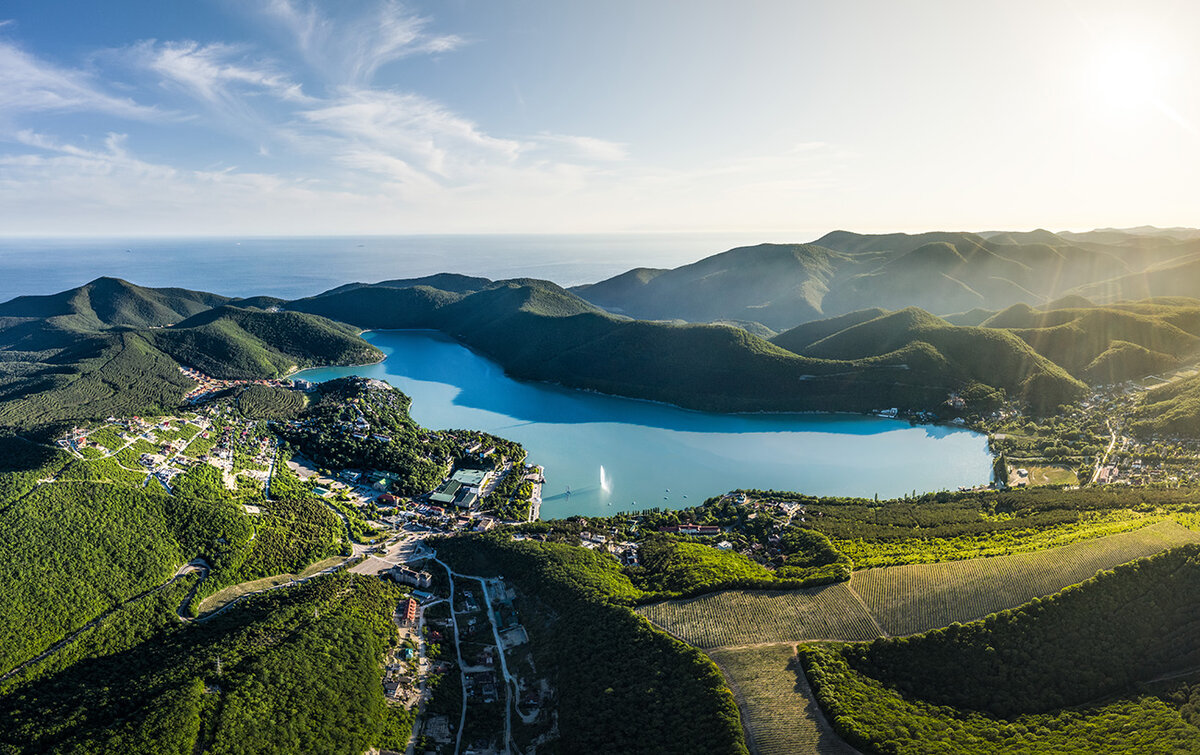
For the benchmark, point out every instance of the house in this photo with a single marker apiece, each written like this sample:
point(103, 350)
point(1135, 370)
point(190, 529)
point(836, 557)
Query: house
point(692, 529)
point(406, 576)
point(408, 609)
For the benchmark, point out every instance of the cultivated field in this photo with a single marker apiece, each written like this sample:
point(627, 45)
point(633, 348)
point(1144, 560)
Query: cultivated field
point(778, 711)
point(915, 598)
point(901, 600)
point(744, 617)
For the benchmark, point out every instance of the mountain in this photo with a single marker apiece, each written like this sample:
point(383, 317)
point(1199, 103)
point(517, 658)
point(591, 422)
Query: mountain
point(1100, 342)
point(112, 302)
point(539, 331)
point(111, 347)
point(944, 272)
point(777, 285)
point(235, 343)
point(932, 346)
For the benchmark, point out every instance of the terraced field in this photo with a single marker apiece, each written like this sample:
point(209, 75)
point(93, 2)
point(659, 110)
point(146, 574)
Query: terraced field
point(900, 600)
point(916, 598)
point(745, 617)
point(778, 710)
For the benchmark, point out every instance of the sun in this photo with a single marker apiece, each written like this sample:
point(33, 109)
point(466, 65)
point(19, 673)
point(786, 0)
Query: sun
point(1127, 74)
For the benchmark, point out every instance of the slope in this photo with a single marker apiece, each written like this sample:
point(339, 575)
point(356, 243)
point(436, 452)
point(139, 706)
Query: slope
point(231, 342)
point(778, 285)
point(539, 331)
point(111, 302)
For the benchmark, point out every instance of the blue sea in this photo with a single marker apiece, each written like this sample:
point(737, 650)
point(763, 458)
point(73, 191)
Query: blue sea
point(291, 268)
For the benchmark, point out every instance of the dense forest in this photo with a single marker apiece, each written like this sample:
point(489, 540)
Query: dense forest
point(290, 671)
point(1017, 670)
point(622, 685)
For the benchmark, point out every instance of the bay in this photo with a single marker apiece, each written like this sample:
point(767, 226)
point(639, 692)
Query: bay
point(657, 455)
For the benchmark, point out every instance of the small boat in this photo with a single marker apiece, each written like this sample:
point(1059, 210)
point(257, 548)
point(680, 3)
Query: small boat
point(685, 495)
point(668, 490)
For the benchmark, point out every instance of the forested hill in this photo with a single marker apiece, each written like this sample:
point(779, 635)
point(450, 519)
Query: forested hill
point(1069, 673)
point(539, 331)
point(111, 347)
point(231, 342)
point(784, 285)
point(111, 302)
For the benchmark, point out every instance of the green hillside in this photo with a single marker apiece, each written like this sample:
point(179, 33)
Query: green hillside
point(113, 348)
point(778, 285)
point(1173, 409)
point(539, 331)
point(802, 336)
point(231, 342)
point(292, 671)
point(109, 302)
point(783, 285)
point(1012, 680)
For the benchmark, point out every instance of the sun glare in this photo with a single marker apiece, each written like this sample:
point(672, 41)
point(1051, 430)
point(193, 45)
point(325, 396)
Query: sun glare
point(1128, 74)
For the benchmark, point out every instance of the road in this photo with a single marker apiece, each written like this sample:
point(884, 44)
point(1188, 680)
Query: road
point(510, 684)
point(422, 672)
point(458, 652)
point(409, 547)
point(1104, 459)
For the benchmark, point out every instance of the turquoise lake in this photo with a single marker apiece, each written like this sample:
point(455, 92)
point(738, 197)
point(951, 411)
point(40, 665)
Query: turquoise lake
point(654, 455)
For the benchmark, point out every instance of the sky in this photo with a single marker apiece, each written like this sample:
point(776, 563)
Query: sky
point(296, 117)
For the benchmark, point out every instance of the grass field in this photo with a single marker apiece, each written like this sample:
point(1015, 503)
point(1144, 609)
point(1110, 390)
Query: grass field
point(900, 600)
point(916, 598)
point(1044, 475)
point(778, 711)
point(745, 617)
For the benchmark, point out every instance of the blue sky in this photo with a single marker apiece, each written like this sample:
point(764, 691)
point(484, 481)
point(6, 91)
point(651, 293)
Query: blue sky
point(781, 116)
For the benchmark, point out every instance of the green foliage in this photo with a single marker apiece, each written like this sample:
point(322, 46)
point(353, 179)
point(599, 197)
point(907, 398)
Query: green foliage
point(299, 671)
point(1172, 410)
point(1083, 643)
point(876, 718)
point(674, 566)
point(268, 402)
point(231, 342)
point(621, 684)
point(326, 435)
point(113, 374)
point(946, 526)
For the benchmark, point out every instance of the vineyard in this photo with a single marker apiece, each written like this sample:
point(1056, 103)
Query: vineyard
point(915, 598)
point(741, 617)
point(900, 600)
point(777, 706)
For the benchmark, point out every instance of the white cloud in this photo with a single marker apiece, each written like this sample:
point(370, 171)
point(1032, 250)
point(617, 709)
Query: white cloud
point(412, 128)
point(29, 85)
point(215, 73)
point(588, 147)
point(353, 49)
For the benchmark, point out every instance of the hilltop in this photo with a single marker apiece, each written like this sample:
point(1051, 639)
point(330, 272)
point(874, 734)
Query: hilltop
point(540, 331)
point(112, 347)
point(784, 285)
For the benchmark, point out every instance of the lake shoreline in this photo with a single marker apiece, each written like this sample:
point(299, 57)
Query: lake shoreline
point(654, 452)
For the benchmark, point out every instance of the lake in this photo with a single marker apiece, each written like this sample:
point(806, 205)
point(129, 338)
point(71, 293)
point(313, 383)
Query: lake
point(656, 455)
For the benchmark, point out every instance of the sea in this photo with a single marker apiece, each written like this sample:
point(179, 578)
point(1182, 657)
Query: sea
point(295, 267)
